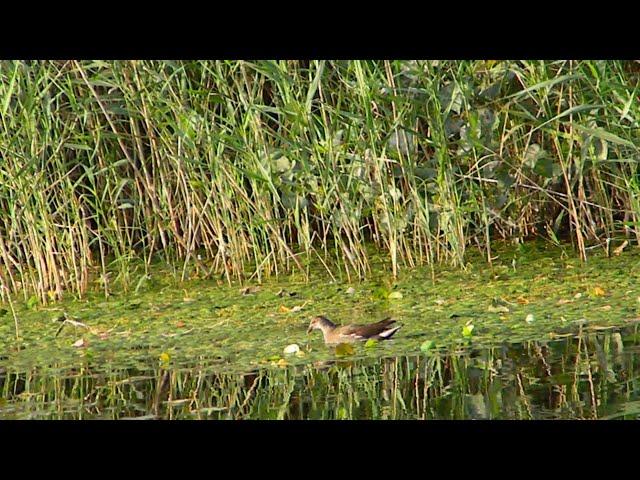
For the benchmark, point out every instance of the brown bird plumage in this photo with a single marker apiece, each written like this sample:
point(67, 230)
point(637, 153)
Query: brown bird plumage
point(381, 330)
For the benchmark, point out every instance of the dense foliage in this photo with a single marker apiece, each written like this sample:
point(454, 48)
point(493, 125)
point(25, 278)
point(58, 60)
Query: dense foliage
point(243, 167)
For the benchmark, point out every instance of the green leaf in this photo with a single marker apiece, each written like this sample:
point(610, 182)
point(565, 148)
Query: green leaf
point(344, 349)
point(380, 293)
point(395, 296)
point(8, 91)
point(547, 83)
point(313, 88)
point(602, 149)
point(467, 330)
point(544, 167)
point(32, 302)
point(282, 164)
point(76, 146)
point(371, 343)
point(505, 180)
point(197, 185)
point(492, 91)
point(425, 173)
point(603, 134)
point(215, 98)
point(451, 98)
point(427, 345)
point(134, 304)
point(569, 111)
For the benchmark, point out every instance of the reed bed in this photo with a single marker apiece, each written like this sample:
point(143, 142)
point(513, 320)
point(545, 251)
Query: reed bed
point(244, 169)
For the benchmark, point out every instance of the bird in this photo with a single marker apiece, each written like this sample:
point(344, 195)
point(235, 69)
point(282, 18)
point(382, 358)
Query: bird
point(333, 334)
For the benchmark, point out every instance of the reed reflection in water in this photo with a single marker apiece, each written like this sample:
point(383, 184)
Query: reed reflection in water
point(592, 375)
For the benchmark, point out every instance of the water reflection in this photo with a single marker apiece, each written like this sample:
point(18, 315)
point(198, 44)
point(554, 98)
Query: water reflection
point(592, 375)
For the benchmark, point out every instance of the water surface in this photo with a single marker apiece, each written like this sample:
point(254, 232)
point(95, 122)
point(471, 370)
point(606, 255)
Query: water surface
point(538, 335)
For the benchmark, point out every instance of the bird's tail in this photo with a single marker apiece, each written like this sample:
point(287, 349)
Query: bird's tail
point(388, 333)
point(387, 322)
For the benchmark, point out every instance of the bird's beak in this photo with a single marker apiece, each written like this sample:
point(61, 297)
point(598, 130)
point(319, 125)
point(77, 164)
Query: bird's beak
point(309, 330)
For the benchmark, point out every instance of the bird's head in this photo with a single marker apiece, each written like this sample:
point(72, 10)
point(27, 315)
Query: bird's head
point(318, 323)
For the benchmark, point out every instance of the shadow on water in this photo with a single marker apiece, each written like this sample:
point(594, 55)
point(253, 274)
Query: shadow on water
point(592, 375)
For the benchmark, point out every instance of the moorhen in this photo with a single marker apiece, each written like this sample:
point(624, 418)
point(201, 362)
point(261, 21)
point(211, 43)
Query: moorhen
point(381, 330)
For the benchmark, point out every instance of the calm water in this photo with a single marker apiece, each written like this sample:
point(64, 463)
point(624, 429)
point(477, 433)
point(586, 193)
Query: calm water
point(590, 375)
point(544, 337)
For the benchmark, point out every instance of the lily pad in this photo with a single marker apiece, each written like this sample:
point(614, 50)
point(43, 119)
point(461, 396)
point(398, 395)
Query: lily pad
point(343, 349)
point(427, 345)
point(467, 330)
point(291, 349)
